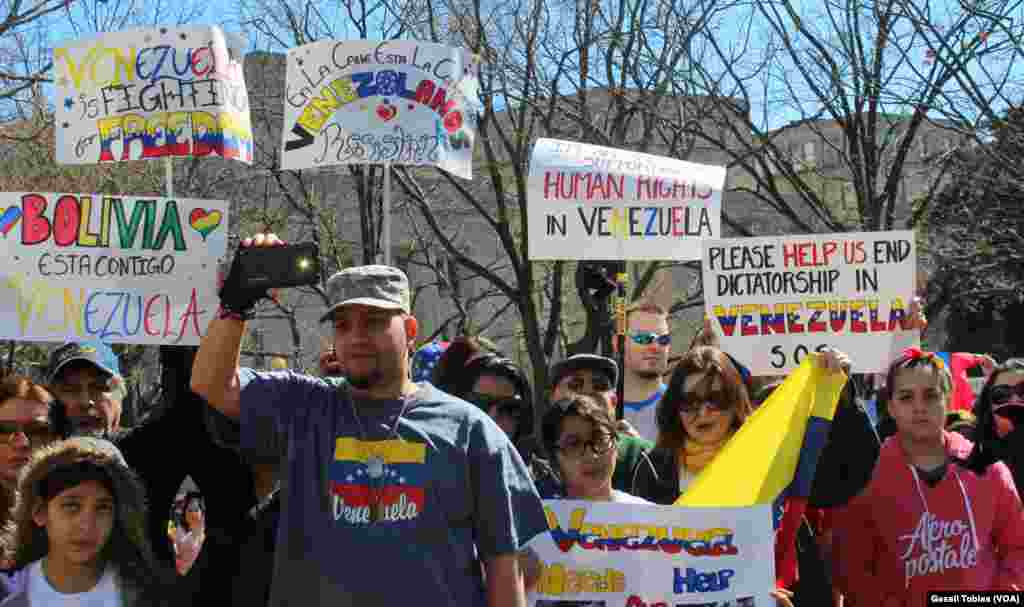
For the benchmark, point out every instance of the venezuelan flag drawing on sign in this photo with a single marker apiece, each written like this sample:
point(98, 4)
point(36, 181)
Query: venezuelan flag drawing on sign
point(775, 452)
point(404, 473)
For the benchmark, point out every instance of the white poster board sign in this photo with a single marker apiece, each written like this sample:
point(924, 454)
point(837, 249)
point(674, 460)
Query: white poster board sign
point(592, 203)
point(399, 101)
point(151, 93)
point(609, 554)
point(775, 299)
point(118, 269)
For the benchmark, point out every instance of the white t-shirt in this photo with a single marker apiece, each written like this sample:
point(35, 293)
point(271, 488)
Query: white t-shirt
point(642, 414)
point(622, 497)
point(42, 594)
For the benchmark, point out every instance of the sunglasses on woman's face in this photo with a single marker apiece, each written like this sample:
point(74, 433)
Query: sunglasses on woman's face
point(692, 403)
point(646, 339)
point(1004, 394)
point(509, 406)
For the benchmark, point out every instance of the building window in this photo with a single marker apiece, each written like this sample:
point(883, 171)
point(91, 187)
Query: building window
point(924, 146)
point(809, 152)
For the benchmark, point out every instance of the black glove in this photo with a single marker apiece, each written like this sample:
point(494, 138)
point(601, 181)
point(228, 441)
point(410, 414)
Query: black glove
point(236, 298)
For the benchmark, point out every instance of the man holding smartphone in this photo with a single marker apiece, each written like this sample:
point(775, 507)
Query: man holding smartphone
point(391, 492)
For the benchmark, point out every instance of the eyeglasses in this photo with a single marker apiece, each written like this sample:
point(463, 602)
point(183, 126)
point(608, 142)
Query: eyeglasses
point(599, 383)
point(1004, 394)
point(716, 401)
point(509, 406)
point(646, 339)
point(599, 444)
point(34, 431)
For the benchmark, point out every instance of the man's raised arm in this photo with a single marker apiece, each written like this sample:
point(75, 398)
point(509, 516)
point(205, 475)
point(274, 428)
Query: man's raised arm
point(215, 370)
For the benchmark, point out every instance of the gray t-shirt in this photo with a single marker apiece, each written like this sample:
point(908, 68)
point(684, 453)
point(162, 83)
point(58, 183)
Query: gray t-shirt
point(453, 488)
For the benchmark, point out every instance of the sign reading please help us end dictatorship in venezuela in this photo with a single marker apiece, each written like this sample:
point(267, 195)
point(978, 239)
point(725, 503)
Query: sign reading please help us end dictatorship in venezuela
point(151, 93)
point(776, 299)
point(627, 555)
point(591, 202)
point(398, 101)
point(122, 269)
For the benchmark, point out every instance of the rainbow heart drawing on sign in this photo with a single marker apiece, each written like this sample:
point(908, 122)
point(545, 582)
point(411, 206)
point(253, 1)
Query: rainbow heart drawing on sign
point(204, 221)
point(9, 219)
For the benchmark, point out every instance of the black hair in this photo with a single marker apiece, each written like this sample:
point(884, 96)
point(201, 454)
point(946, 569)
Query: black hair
point(989, 447)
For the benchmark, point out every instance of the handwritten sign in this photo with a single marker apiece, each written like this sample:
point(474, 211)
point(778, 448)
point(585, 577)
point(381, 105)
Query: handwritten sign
point(776, 299)
point(647, 556)
point(590, 202)
point(398, 101)
point(151, 93)
point(115, 268)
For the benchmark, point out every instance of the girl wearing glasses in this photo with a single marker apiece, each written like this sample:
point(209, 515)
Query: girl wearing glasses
point(925, 521)
point(1000, 422)
point(706, 402)
point(78, 534)
point(580, 436)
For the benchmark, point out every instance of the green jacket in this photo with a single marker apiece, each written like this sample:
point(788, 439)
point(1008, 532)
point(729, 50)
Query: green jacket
point(631, 451)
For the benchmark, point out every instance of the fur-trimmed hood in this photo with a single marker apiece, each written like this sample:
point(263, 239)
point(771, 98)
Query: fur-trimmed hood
point(128, 550)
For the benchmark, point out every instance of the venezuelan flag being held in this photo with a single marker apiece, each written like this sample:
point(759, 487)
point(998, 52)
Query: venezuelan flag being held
point(772, 457)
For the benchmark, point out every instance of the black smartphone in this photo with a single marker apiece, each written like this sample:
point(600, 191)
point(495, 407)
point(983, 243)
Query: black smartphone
point(294, 265)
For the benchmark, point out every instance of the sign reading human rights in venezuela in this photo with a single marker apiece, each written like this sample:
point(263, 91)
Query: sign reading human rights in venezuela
point(398, 101)
point(151, 93)
point(126, 269)
point(591, 202)
point(775, 299)
point(609, 554)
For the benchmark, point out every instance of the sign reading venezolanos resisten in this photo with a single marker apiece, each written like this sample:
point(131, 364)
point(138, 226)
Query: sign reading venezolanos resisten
point(591, 202)
point(400, 101)
point(126, 269)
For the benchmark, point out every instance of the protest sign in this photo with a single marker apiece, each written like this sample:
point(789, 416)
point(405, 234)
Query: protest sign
point(398, 101)
point(151, 93)
point(614, 554)
point(591, 202)
point(126, 269)
point(775, 299)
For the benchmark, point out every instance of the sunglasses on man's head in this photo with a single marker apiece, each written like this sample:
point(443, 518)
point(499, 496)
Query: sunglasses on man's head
point(692, 402)
point(646, 339)
point(1004, 394)
point(511, 406)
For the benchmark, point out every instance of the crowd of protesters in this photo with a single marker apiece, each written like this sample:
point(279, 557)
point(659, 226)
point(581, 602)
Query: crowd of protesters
point(403, 474)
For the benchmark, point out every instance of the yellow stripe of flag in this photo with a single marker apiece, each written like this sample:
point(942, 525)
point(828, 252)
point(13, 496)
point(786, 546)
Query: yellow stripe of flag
point(760, 460)
point(393, 451)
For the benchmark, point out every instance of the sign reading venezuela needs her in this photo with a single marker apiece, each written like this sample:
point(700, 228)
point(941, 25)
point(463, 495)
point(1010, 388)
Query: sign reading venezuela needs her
point(399, 101)
point(151, 93)
point(126, 269)
point(627, 555)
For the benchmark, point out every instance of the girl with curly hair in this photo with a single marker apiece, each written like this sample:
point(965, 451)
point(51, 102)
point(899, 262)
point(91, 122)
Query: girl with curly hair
point(79, 531)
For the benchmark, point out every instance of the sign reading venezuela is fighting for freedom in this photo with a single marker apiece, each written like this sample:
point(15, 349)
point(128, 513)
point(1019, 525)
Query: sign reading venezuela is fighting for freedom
point(125, 269)
point(151, 93)
point(775, 299)
point(398, 101)
point(591, 202)
point(604, 553)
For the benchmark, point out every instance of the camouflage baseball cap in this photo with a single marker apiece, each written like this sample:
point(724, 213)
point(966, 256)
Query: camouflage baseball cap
point(377, 286)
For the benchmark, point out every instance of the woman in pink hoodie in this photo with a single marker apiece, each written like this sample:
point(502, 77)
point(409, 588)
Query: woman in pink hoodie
point(924, 522)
